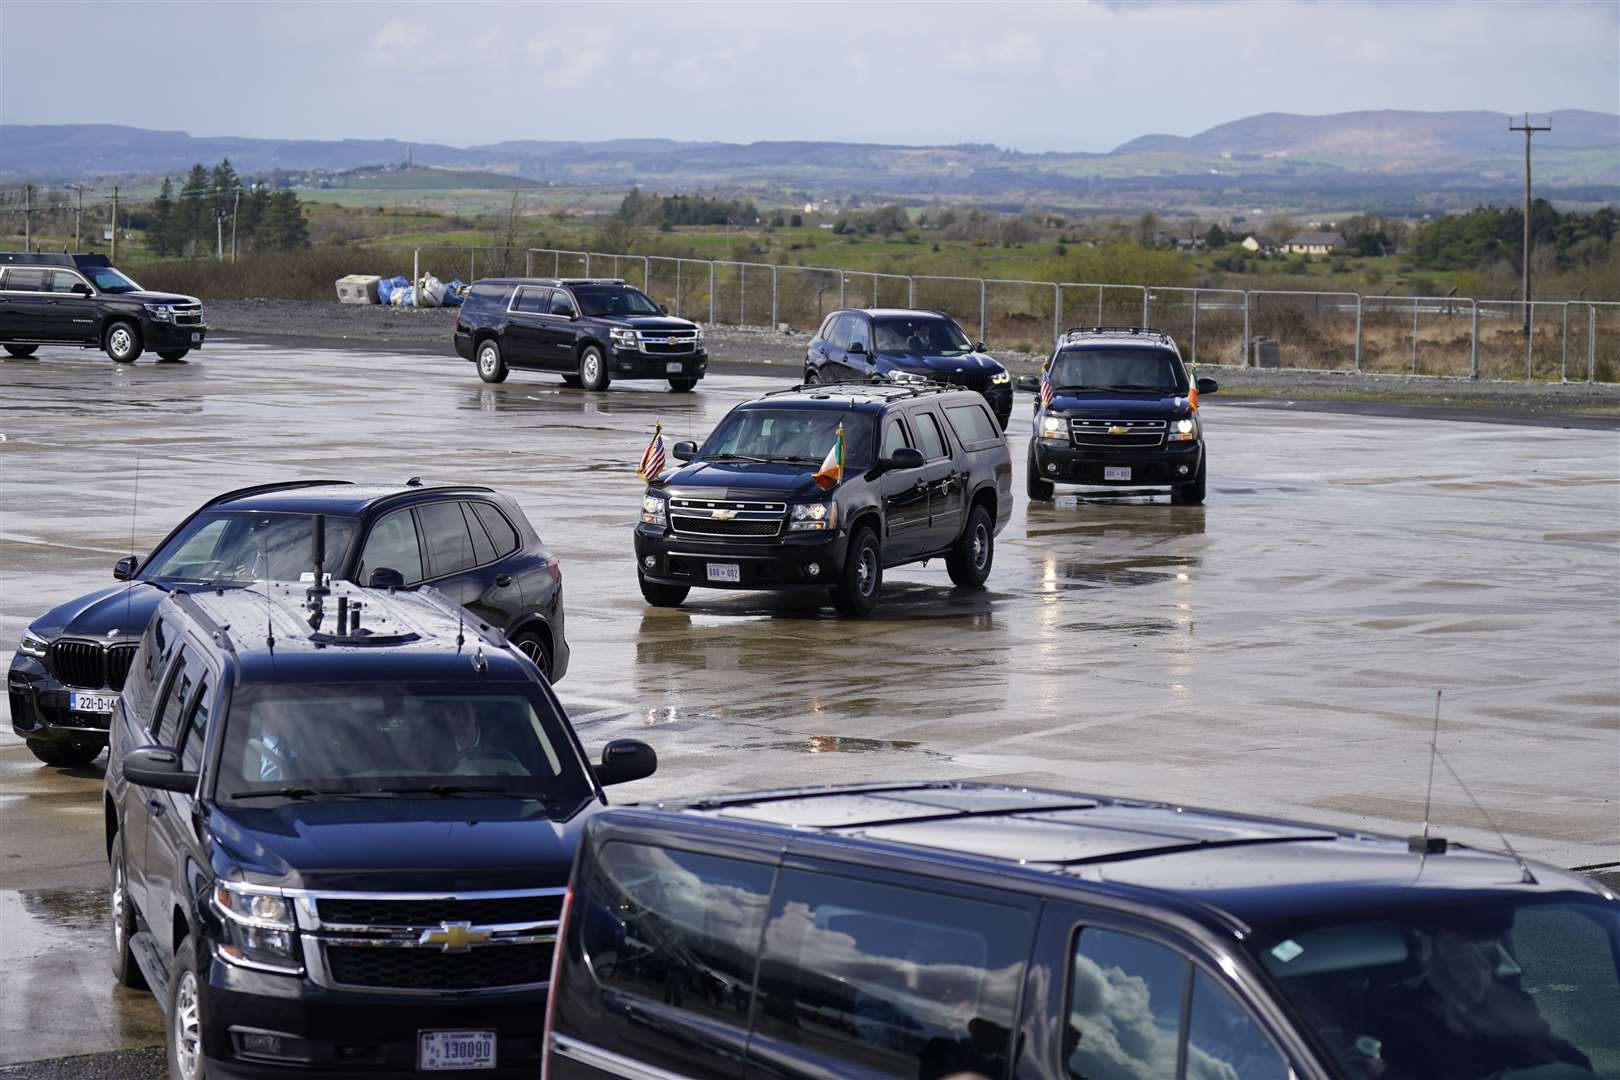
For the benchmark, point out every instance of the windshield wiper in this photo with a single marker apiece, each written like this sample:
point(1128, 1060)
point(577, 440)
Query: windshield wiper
point(447, 790)
point(738, 457)
point(798, 460)
point(299, 793)
point(1127, 387)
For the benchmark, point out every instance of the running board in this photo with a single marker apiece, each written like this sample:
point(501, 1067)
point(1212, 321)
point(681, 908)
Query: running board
point(149, 958)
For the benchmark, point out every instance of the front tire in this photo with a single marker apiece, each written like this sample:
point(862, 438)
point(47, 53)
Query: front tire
point(169, 356)
point(21, 352)
point(1191, 494)
point(185, 1015)
point(682, 386)
point(812, 377)
point(857, 593)
point(968, 561)
point(63, 754)
point(662, 595)
point(1038, 490)
point(125, 970)
point(536, 648)
point(593, 372)
point(491, 364)
point(123, 342)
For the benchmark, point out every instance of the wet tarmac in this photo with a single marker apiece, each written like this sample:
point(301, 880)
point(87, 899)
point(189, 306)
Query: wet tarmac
point(1275, 651)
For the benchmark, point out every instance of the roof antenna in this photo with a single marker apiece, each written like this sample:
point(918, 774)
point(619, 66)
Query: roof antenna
point(1424, 844)
point(461, 609)
point(1524, 867)
point(134, 503)
point(269, 621)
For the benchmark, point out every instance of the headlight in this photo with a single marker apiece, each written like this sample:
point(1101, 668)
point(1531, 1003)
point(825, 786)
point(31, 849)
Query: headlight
point(700, 335)
point(813, 517)
point(1001, 378)
point(652, 511)
point(1183, 430)
point(160, 312)
point(258, 930)
point(1052, 427)
point(906, 377)
point(33, 645)
point(625, 339)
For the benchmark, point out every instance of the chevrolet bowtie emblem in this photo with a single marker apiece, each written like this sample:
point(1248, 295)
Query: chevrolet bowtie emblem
point(1119, 429)
point(454, 936)
point(722, 515)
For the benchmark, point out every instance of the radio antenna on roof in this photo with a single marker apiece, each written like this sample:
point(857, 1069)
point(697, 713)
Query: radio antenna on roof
point(134, 504)
point(1422, 843)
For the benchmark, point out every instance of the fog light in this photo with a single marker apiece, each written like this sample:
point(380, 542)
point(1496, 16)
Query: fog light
point(1183, 470)
point(812, 569)
point(1052, 467)
point(650, 561)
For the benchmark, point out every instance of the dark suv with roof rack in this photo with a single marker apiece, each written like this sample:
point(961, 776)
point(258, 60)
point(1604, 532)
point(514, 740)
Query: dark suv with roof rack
point(81, 300)
point(339, 824)
point(1116, 407)
point(472, 543)
point(925, 474)
point(1000, 933)
point(590, 330)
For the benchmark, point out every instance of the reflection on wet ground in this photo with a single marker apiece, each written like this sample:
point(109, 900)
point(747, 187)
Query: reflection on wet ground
point(1275, 650)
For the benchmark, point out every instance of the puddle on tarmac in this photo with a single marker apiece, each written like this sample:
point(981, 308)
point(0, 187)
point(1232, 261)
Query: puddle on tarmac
point(830, 744)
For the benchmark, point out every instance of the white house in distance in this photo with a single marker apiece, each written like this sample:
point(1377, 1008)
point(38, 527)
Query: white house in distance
point(1314, 243)
point(1263, 244)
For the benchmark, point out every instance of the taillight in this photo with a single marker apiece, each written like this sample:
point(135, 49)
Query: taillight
point(551, 991)
point(555, 566)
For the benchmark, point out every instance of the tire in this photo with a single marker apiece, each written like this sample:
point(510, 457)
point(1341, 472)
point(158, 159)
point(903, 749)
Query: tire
point(63, 754)
point(169, 356)
point(682, 386)
point(662, 595)
point(536, 648)
point(21, 351)
point(812, 377)
point(125, 970)
point(857, 593)
point(1038, 490)
point(123, 342)
point(593, 372)
point(491, 364)
point(1191, 494)
point(184, 1042)
point(571, 380)
point(968, 562)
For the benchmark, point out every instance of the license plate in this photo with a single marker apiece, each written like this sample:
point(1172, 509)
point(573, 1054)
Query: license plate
point(674, 367)
point(195, 338)
point(725, 571)
point(1116, 472)
point(440, 1051)
point(105, 703)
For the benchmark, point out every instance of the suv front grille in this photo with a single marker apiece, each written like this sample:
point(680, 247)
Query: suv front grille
point(90, 665)
point(384, 911)
point(665, 342)
point(188, 314)
point(740, 519)
point(431, 969)
point(119, 658)
point(1116, 434)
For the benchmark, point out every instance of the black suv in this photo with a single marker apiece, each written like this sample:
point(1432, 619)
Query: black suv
point(925, 474)
point(1122, 412)
point(997, 933)
point(81, 300)
point(908, 347)
point(592, 330)
point(472, 543)
point(339, 829)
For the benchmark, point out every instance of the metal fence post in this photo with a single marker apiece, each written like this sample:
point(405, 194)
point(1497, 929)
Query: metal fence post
point(742, 296)
point(1144, 307)
point(984, 310)
point(1414, 334)
point(416, 278)
point(472, 264)
point(677, 288)
point(646, 275)
point(587, 264)
point(911, 292)
point(1473, 341)
point(556, 264)
point(1057, 313)
point(1563, 357)
point(1591, 342)
point(776, 297)
point(711, 291)
point(1195, 327)
point(1245, 327)
point(1529, 339)
point(528, 263)
point(1358, 328)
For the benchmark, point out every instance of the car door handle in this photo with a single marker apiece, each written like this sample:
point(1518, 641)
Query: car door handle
point(503, 580)
point(155, 806)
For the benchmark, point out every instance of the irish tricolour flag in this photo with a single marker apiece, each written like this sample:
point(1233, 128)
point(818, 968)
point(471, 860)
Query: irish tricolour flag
point(832, 466)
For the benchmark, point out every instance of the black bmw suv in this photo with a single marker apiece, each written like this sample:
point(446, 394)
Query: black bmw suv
point(925, 474)
point(1117, 408)
point(472, 543)
point(590, 330)
point(81, 300)
point(909, 348)
point(338, 829)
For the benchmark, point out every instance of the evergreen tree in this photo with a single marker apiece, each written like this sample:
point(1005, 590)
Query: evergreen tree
point(225, 184)
point(160, 234)
point(1216, 237)
point(195, 215)
point(254, 204)
point(283, 227)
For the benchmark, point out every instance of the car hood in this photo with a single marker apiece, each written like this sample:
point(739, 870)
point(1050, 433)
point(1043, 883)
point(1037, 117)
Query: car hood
point(922, 363)
point(1111, 404)
point(401, 844)
point(742, 480)
point(652, 322)
point(125, 607)
point(154, 298)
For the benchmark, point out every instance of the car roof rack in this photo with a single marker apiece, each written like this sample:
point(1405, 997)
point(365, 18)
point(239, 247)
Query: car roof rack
point(889, 391)
point(1118, 331)
point(46, 258)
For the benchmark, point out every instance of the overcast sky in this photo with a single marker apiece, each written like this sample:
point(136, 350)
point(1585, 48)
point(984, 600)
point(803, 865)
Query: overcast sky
point(1039, 76)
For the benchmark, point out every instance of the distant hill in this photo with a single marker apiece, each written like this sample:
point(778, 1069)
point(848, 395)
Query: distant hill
point(1371, 160)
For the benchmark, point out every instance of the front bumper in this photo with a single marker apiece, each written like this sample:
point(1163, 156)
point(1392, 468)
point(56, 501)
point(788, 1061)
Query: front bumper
point(166, 335)
point(1001, 402)
point(40, 712)
point(782, 563)
point(1172, 463)
point(634, 364)
point(326, 1034)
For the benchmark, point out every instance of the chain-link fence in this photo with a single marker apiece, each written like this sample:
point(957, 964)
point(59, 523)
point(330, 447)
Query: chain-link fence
point(1304, 330)
point(1210, 324)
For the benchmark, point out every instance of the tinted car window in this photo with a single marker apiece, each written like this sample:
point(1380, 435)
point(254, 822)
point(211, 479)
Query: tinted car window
point(676, 927)
point(240, 546)
point(487, 296)
point(860, 332)
point(929, 435)
point(449, 546)
point(63, 281)
point(801, 435)
point(932, 337)
point(1126, 367)
point(894, 437)
point(1125, 995)
point(972, 423)
point(560, 303)
point(838, 338)
point(826, 331)
point(532, 300)
point(901, 982)
point(393, 544)
point(195, 732)
point(1223, 1041)
point(27, 279)
point(501, 533)
point(613, 300)
point(180, 683)
point(141, 687)
point(483, 550)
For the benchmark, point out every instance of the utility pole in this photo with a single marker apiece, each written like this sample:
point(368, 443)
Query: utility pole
point(236, 205)
point(1529, 129)
point(28, 217)
point(114, 256)
point(78, 215)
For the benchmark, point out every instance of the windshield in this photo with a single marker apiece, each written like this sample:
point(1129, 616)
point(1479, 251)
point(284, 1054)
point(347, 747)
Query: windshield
point(425, 739)
point(108, 280)
point(796, 436)
point(613, 300)
point(1119, 369)
point(929, 337)
point(1500, 988)
point(219, 547)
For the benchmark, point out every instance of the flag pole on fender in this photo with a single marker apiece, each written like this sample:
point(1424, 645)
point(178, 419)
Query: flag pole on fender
point(653, 461)
point(832, 466)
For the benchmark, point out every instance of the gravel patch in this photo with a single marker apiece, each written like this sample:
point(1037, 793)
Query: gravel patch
point(147, 1064)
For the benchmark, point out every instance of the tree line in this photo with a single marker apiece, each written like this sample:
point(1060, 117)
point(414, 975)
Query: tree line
point(184, 223)
point(672, 211)
point(1487, 234)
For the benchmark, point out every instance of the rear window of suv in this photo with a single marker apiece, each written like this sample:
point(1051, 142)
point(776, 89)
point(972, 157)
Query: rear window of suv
point(482, 296)
point(972, 424)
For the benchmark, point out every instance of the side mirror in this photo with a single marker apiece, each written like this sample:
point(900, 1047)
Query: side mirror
point(856, 349)
point(158, 767)
point(1028, 383)
point(979, 346)
point(905, 458)
point(124, 568)
point(81, 289)
point(624, 760)
point(685, 450)
point(386, 577)
point(663, 309)
point(1208, 386)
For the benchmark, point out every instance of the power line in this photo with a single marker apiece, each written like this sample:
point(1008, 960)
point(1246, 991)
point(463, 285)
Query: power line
point(1529, 129)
